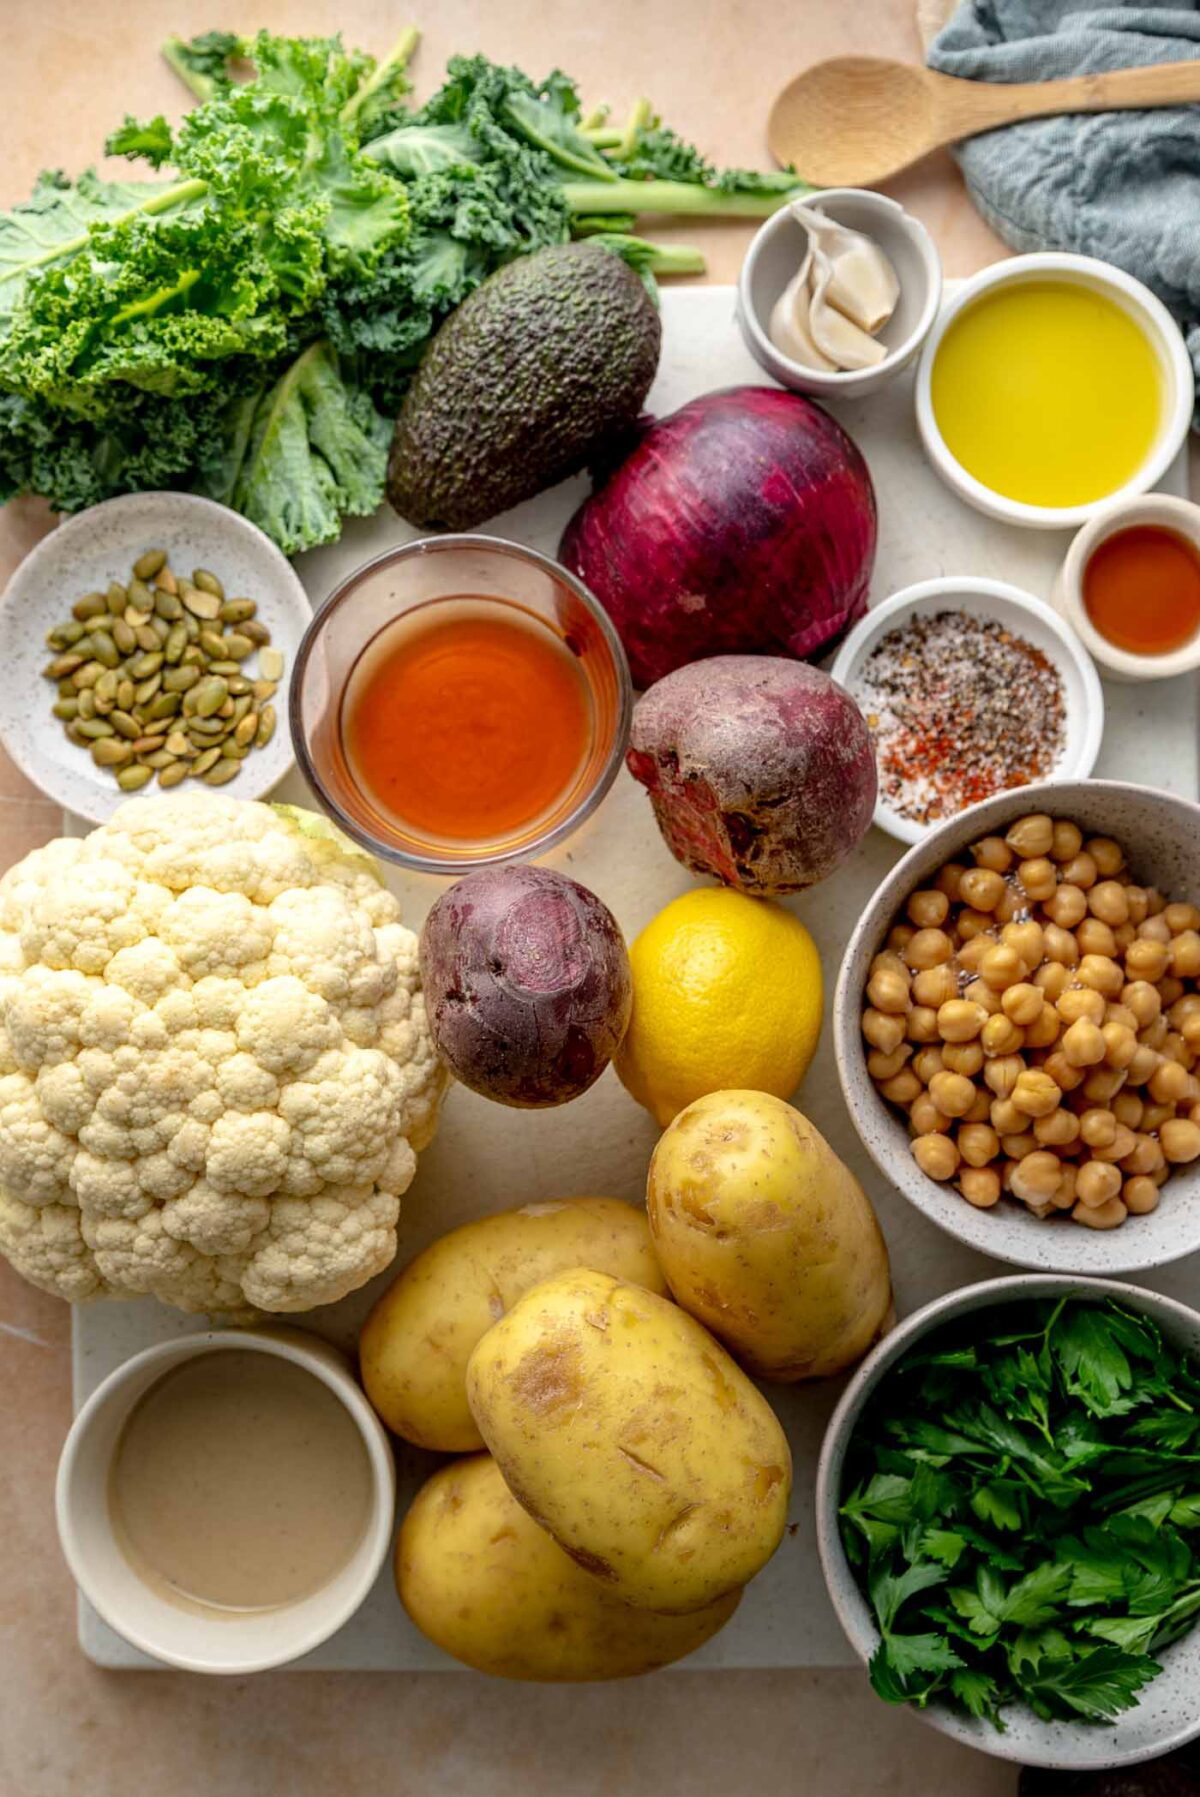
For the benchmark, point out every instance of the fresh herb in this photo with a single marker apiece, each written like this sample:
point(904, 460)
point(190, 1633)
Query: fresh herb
point(247, 324)
point(1024, 1514)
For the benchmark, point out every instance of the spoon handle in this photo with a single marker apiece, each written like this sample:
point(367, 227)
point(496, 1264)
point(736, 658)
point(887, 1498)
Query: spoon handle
point(991, 104)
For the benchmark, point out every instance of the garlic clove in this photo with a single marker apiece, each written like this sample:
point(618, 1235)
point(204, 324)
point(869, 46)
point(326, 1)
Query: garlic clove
point(788, 328)
point(863, 285)
point(836, 336)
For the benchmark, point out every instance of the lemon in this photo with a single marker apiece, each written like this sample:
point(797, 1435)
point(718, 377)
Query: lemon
point(726, 993)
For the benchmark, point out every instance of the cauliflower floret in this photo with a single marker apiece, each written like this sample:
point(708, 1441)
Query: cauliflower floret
point(215, 1067)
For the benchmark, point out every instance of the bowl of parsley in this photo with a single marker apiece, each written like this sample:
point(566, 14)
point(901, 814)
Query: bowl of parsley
point(1008, 1518)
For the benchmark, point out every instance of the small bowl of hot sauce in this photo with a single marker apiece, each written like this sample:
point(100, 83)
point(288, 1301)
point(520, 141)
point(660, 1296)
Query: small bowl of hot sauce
point(1130, 586)
point(458, 701)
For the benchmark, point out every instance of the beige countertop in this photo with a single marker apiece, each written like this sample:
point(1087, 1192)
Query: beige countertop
point(73, 70)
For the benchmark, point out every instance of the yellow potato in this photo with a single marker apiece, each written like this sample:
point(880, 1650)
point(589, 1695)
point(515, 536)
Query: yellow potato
point(415, 1344)
point(767, 1237)
point(479, 1577)
point(629, 1433)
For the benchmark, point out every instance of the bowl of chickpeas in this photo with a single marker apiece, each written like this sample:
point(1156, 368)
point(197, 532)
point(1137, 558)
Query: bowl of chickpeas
point(1017, 1026)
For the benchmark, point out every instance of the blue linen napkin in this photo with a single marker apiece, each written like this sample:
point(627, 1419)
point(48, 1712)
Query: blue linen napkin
point(1124, 186)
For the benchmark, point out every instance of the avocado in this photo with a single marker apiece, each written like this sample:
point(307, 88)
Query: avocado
point(543, 365)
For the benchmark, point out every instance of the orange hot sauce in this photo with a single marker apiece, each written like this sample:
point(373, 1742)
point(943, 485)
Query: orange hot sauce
point(466, 724)
point(1141, 589)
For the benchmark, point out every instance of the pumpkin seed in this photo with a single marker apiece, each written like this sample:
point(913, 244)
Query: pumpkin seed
point(63, 635)
point(145, 665)
point(157, 758)
point(237, 646)
point(209, 696)
point(87, 703)
point(270, 664)
point(147, 640)
point(123, 636)
point(203, 762)
point(146, 745)
point(266, 727)
point(237, 611)
point(116, 598)
point(166, 582)
point(208, 583)
point(125, 694)
point(239, 685)
point(213, 644)
point(66, 689)
point(173, 773)
point(226, 710)
point(127, 726)
point(87, 675)
point(110, 751)
point(263, 689)
point(133, 617)
point(234, 751)
point(94, 728)
point(146, 691)
point(73, 733)
point(65, 709)
point(178, 680)
point(140, 596)
point(221, 773)
point(104, 649)
point(206, 730)
point(179, 744)
point(241, 706)
point(176, 643)
point(191, 625)
point(226, 669)
point(168, 606)
point(149, 563)
point(106, 687)
point(200, 603)
point(129, 779)
point(62, 665)
point(165, 705)
point(256, 630)
point(90, 606)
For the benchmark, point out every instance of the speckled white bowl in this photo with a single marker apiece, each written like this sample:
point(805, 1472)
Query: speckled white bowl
point(1167, 1715)
point(85, 553)
point(1160, 834)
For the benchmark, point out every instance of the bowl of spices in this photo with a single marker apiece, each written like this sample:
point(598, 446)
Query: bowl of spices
point(225, 1500)
point(1130, 586)
point(970, 687)
point(459, 701)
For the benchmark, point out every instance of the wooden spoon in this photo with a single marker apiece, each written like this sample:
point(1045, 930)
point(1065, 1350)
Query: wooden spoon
point(856, 120)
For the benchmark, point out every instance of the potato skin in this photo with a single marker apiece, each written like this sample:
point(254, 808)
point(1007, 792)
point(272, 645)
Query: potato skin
point(414, 1346)
point(483, 1582)
point(628, 1432)
point(767, 1237)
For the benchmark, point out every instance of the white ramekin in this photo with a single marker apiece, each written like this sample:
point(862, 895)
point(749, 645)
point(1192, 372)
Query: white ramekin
point(1179, 384)
point(215, 1642)
point(1180, 515)
point(774, 257)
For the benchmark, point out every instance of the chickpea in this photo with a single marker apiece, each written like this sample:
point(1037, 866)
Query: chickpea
point(1180, 1140)
point(1185, 955)
point(1051, 980)
point(1035, 1093)
point(978, 1144)
point(1058, 1130)
point(1120, 1044)
point(1095, 938)
point(1139, 1195)
point(1128, 1108)
point(1081, 1001)
point(959, 1020)
point(1031, 835)
point(1066, 1076)
point(925, 1119)
point(1155, 1034)
point(1183, 1008)
point(981, 1109)
point(1123, 936)
point(1142, 1065)
point(1043, 1032)
point(1060, 945)
point(1066, 839)
point(1097, 1182)
point(1001, 967)
point(1142, 999)
point(936, 1155)
point(1181, 918)
point(1191, 1032)
point(1037, 1175)
point(993, 852)
point(1010, 904)
point(1169, 1083)
point(1170, 990)
point(1098, 1128)
point(1108, 901)
point(963, 1057)
point(1116, 1012)
point(971, 952)
point(935, 985)
point(1001, 1036)
point(1144, 1157)
point(1155, 929)
point(1135, 898)
point(1026, 937)
point(1123, 1144)
point(903, 1087)
point(952, 1093)
point(1066, 906)
point(1100, 1216)
point(883, 1030)
point(1022, 1003)
point(925, 1063)
point(922, 1024)
point(1016, 1147)
point(1102, 1084)
point(899, 937)
point(1005, 1118)
point(1176, 1049)
point(982, 994)
point(970, 924)
point(1064, 1198)
point(1101, 973)
point(928, 908)
point(1038, 877)
point(1001, 1075)
point(980, 1186)
point(887, 991)
point(948, 879)
point(1083, 1044)
point(1155, 902)
point(981, 888)
point(1146, 960)
point(1155, 1115)
point(928, 948)
point(1081, 870)
point(1107, 854)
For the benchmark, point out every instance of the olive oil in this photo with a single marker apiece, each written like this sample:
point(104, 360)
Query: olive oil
point(1048, 392)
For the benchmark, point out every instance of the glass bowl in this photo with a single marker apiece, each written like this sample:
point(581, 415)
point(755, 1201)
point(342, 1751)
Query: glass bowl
point(427, 574)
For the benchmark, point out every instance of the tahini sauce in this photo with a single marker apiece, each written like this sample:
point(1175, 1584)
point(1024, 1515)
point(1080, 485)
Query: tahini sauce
point(239, 1482)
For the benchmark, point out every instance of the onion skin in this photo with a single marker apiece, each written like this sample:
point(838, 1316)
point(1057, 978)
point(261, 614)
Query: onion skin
point(743, 523)
point(760, 770)
point(527, 984)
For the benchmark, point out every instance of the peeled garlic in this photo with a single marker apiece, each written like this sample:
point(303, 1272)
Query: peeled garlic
point(844, 290)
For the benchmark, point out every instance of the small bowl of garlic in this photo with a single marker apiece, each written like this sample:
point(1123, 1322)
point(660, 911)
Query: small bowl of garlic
point(838, 292)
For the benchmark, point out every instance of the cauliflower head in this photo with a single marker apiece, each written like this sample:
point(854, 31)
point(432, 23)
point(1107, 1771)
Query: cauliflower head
point(215, 1065)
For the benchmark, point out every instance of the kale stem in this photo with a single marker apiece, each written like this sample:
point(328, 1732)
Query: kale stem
point(202, 86)
point(396, 59)
point(672, 197)
point(639, 117)
point(161, 201)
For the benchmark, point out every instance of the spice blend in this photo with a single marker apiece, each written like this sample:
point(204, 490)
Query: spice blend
point(959, 708)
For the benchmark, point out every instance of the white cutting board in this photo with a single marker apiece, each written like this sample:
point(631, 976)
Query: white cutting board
point(487, 1157)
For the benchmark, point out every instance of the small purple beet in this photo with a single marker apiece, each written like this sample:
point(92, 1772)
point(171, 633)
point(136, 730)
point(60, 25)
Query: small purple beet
point(527, 984)
point(760, 770)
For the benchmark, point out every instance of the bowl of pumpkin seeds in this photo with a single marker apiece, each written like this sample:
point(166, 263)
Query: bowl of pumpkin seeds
point(146, 644)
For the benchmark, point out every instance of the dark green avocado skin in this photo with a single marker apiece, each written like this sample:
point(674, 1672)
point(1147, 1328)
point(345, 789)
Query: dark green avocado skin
point(546, 362)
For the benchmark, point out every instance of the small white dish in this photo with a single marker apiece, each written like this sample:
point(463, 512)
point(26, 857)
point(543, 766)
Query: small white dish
point(83, 554)
point(1182, 516)
point(1020, 612)
point(1166, 1716)
point(229, 1642)
point(775, 255)
point(1178, 377)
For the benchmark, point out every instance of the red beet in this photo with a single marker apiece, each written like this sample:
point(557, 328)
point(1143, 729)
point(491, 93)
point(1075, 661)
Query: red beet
point(527, 984)
point(743, 523)
point(760, 770)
